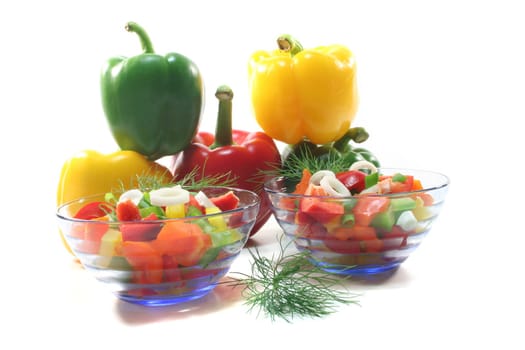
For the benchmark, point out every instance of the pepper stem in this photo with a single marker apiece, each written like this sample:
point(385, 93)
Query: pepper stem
point(357, 134)
point(289, 44)
point(145, 41)
point(223, 129)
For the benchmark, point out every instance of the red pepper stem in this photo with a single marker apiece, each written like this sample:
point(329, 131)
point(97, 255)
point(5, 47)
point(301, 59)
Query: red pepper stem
point(145, 41)
point(289, 44)
point(223, 129)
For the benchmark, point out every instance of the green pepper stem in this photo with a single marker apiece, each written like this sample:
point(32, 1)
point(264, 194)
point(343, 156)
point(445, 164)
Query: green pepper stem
point(223, 129)
point(357, 134)
point(289, 44)
point(145, 41)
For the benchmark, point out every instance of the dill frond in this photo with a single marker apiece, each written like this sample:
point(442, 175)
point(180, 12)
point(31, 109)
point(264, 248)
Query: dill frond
point(191, 182)
point(288, 285)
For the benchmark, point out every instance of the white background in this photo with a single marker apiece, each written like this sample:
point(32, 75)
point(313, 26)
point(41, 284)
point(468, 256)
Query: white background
point(442, 87)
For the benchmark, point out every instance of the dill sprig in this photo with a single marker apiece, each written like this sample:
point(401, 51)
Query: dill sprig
point(295, 164)
point(152, 181)
point(288, 285)
point(292, 168)
point(190, 182)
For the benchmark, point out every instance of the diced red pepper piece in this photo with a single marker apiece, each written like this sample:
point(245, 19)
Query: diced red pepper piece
point(288, 203)
point(342, 246)
point(416, 185)
point(315, 190)
point(321, 210)
point(367, 207)
point(399, 186)
point(93, 210)
point(301, 187)
point(195, 203)
point(227, 201)
point(90, 233)
point(185, 241)
point(427, 198)
point(404, 186)
point(372, 245)
point(394, 239)
point(172, 272)
point(354, 180)
point(128, 211)
point(356, 233)
point(140, 231)
point(363, 237)
point(313, 230)
point(146, 261)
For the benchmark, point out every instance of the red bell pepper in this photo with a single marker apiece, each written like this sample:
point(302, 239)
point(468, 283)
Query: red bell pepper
point(245, 156)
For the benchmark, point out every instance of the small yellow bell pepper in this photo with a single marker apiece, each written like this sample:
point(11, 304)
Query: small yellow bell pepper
point(90, 172)
point(301, 93)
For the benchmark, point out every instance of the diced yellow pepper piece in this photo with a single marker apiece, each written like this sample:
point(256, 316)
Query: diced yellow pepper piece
point(109, 246)
point(421, 212)
point(175, 211)
point(216, 221)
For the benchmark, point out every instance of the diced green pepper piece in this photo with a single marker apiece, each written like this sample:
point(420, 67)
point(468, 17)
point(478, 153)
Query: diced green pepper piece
point(210, 256)
point(110, 198)
point(348, 204)
point(401, 204)
point(222, 238)
point(145, 212)
point(193, 211)
point(398, 177)
point(348, 219)
point(384, 220)
point(203, 223)
point(371, 179)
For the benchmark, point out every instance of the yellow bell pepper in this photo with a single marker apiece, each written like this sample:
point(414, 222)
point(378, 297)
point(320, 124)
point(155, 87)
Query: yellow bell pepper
point(301, 93)
point(90, 172)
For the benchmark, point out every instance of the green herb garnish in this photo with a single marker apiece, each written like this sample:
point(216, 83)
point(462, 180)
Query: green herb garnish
point(292, 170)
point(148, 182)
point(288, 285)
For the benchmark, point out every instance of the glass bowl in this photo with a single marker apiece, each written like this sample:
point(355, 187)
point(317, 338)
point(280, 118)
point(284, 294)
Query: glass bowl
point(131, 259)
point(360, 242)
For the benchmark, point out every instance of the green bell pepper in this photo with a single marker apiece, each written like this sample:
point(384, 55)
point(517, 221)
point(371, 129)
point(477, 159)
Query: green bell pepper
point(341, 151)
point(153, 103)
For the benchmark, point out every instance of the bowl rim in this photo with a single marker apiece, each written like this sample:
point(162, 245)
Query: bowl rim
point(408, 171)
point(256, 202)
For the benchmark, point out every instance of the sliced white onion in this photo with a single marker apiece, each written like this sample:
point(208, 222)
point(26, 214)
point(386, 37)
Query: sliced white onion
point(371, 190)
point(334, 187)
point(134, 195)
point(203, 200)
point(169, 196)
point(363, 164)
point(407, 221)
point(317, 176)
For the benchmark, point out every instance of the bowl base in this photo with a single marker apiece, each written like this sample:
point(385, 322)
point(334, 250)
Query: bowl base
point(155, 300)
point(359, 270)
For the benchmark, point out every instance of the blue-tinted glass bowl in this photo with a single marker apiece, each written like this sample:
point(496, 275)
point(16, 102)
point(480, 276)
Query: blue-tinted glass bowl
point(360, 250)
point(158, 279)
